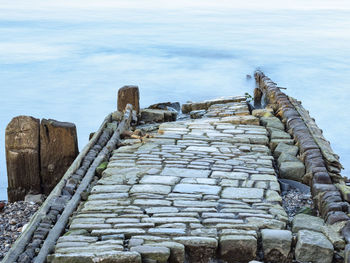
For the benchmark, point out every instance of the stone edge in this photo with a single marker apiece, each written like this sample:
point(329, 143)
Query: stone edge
point(323, 168)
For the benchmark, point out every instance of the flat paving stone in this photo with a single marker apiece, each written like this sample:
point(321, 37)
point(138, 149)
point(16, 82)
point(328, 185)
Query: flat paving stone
point(150, 188)
point(183, 172)
point(197, 188)
point(153, 179)
point(230, 175)
point(240, 193)
point(110, 189)
point(202, 149)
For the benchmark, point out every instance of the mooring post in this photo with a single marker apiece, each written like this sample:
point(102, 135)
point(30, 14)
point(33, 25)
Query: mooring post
point(129, 95)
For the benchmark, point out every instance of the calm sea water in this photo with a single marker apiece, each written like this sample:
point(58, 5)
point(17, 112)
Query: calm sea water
point(66, 59)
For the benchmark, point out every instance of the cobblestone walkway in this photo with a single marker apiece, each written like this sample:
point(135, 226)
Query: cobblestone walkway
point(199, 191)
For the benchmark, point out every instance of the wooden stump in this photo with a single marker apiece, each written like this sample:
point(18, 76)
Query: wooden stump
point(22, 157)
point(129, 95)
point(58, 149)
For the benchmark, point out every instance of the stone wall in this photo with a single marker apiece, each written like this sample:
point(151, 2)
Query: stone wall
point(322, 166)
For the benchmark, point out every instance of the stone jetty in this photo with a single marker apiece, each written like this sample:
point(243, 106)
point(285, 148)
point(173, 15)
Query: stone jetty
point(204, 188)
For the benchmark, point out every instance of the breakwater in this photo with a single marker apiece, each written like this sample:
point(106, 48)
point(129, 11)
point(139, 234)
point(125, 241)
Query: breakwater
point(201, 189)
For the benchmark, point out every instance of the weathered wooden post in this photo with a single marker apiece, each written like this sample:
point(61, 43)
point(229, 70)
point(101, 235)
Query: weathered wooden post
point(37, 156)
point(22, 157)
point(129, 95)
point(58, 149)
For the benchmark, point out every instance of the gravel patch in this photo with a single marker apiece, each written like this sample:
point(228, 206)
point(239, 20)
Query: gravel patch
point(13, 217)
point(294, 201)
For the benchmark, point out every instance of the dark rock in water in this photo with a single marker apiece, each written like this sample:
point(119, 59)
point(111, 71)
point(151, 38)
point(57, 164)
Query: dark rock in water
point(129, 95)
point(257, 98)
point(58, 149)
point(22, 157)
point(166, 106)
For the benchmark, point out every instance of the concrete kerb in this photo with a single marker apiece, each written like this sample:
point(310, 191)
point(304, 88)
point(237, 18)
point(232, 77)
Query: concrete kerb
point(19, 246)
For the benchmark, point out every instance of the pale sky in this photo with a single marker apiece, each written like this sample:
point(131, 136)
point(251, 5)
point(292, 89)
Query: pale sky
point(161, 4)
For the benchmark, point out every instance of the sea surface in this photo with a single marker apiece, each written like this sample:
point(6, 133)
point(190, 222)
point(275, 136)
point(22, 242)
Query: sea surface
point(66, 59)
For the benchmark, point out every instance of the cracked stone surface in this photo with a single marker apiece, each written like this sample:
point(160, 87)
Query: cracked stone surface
point(194, 187)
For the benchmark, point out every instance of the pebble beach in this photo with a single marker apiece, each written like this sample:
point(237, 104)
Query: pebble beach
point(13, 217)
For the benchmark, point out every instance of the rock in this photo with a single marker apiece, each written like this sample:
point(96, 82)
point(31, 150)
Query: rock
point(129, 95)
point(240, 193)
point(38, 199)
point(186, 108)
point(134, 242)
point(150, 115)
point(198, 249)
point(117, 116)
point(292, 170)
point(197, 114)
point(248, 120)
point(286, 149)
point(320, 188)
point(346, 232)
point(263, 113)
point(344, 190)
point(272, 122)
point(2, 206)
point(273, 196)
point(266, 223)
point(336, 216)
point(22, 157)
point(278, 134)
point(177, 251)
point(58, 149)
point(347, 254)
point(101, 168)
point(158, 253)
point(104, 257)
point(303, 188)
point(334, 236)
point(238, 248)
point(313, 247)
point(275, 142)
point(172, 106)
point(276, 245)
point(303, 221)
